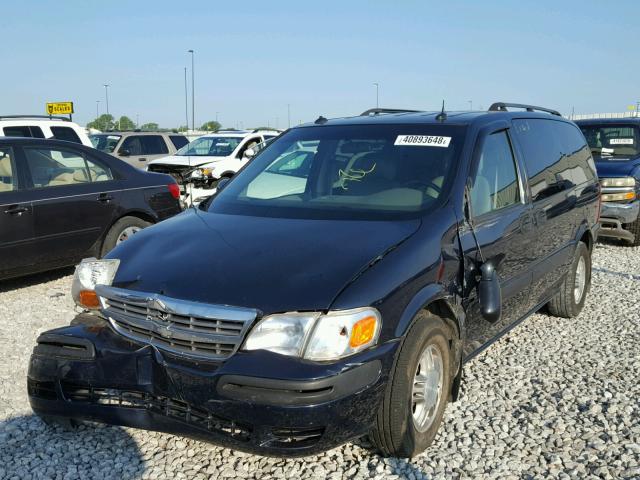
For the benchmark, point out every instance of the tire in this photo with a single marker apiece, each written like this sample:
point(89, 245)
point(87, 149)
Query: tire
point(118, 229)
point(635, 229)
point(395, 432)
point(564, 304)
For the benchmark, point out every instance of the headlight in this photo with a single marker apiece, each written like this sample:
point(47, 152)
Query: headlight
point(89, 273)
point(618, 197)
point(197, 173)
point(618, 182)
point(315, 336)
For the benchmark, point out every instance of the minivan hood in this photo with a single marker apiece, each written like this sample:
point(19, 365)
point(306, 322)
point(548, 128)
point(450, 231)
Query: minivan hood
point(272, 264)
point(616, 168)
point(185, 161)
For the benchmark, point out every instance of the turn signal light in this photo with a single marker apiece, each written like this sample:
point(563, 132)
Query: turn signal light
point(363, 332)
point(174, 190)
point(89, 299)
point(617, 197)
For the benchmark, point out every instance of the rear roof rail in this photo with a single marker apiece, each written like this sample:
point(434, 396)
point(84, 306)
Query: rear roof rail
point(378, 111)
point(502, 107)
point(45, 117)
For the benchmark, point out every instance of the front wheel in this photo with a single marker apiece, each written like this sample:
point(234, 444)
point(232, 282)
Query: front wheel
point(569, 300)
point(634, 228)
point(122, 230)
point(417, 391)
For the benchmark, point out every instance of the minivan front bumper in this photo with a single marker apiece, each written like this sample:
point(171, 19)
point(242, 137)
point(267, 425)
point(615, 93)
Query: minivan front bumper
point(258, 402)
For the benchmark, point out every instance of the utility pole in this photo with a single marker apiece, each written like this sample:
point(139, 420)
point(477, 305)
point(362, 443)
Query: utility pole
point(193, 91)
point(288, 115)
point(106, 95)
point(377, 91)
point(186, 100)
point(97, 108)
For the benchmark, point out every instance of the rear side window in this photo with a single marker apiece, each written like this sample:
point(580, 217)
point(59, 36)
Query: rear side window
point(153, 145)
point(495, 185)
point(60, 167)
point(555, 155)
point(23, 131)
point(8, 176)
point(178, 141)
point(65, 133)
point(133, 145)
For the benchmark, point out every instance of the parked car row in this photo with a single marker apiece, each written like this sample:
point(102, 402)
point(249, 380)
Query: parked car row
point(335, 286)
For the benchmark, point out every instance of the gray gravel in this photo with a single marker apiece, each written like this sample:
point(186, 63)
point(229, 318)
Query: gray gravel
point(555, 398)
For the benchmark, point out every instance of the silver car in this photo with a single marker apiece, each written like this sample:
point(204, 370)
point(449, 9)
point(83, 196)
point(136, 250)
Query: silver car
point(138, 148)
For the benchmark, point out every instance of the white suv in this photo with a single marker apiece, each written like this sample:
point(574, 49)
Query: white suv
point(40, 126)
point(209, 158)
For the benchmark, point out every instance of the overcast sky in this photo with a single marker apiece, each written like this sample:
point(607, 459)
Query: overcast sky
point(321, 57)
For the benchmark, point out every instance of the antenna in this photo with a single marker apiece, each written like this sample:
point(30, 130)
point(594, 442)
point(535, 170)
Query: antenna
point(320, 120)
point(442, 116)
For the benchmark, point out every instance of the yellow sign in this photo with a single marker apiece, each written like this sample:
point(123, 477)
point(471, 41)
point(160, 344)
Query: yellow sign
point(60, 108)
point(631, 107)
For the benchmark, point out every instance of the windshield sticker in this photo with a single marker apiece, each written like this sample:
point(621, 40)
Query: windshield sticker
point(113, 137)
point(621, 141)
point(422, 141)
point(607, 150)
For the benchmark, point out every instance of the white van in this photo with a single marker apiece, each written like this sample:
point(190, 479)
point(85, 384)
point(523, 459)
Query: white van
point(41, 126)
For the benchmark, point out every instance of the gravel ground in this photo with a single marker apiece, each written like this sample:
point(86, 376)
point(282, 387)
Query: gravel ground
point(554, 398)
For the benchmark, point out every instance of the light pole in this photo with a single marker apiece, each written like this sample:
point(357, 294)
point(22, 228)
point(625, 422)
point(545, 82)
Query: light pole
point(106, 95)
point(377, 88)
point(217, 116)
point(470, 104)
point(186, 100)
point(137, 121)
point(97, 108)
point(288, 115)
point(193, 92)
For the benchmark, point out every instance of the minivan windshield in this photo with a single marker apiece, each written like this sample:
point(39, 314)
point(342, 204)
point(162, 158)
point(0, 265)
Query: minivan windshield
point(210, 147)
point(353, 171)
point(105, 143)
point(612, 141)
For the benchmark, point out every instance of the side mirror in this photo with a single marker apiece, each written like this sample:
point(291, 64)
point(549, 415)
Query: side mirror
point(123, 152)
point(489, 293)
point(249, 153)
point(222, 183)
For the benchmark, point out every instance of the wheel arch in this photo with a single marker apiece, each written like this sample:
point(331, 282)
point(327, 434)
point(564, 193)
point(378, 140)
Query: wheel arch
point(131, 213)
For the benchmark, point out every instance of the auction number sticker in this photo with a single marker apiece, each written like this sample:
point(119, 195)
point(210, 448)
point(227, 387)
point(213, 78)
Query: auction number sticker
point(621, 141)
point(422, 141)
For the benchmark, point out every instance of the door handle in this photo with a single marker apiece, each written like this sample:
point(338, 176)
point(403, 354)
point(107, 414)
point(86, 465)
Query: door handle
point(16, 210)
point(103, 197)
point(142, 159)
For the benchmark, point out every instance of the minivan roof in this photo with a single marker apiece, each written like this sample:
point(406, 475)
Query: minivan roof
point(452, 118)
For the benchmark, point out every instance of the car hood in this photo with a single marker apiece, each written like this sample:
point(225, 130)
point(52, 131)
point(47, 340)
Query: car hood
point(272, 264)
point(185, 161)
point(616, 168)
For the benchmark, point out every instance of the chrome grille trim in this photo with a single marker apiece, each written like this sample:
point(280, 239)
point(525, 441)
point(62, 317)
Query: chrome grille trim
point(212, 332)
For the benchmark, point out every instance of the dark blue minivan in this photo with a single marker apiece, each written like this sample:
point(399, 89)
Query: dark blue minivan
point(335, 286)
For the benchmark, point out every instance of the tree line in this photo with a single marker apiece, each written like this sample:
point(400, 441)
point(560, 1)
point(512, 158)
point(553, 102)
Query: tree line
point(107, 122)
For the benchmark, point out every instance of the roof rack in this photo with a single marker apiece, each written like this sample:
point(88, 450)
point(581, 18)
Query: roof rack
point(378, 111)
point(502, 107)
point(266, 130)
point(47, 117)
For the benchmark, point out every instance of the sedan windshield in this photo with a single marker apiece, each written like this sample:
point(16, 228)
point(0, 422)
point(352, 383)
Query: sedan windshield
point(368, 171)
point(612, 140)
point(210, 147)
point(105, 143)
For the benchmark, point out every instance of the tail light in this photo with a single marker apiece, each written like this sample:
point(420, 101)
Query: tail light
point(174, 190)
point(599, 203)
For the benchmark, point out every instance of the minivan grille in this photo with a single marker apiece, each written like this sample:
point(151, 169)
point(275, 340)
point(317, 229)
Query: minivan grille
point(212, 332)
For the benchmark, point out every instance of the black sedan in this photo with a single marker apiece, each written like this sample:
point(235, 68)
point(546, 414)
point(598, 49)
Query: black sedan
point(61, 202)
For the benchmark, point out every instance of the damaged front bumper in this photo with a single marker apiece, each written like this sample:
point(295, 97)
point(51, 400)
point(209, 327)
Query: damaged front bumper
point(258, 401)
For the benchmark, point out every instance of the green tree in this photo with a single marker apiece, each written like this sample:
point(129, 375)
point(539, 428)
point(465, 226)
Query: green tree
point(103, 123)
point(181, 128)
point(150, 126)
point(211, 126)
point(125, 123)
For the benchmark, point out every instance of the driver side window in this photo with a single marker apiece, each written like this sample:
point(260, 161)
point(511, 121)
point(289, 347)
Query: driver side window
point(495, 185)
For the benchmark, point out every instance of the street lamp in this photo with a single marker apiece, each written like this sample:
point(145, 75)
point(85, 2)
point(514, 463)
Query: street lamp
point(186, 100)
point(106, 95)
point(288, 115)
point(217, 116)
point(377, 88)
point(193, 92)
point(97, 108)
